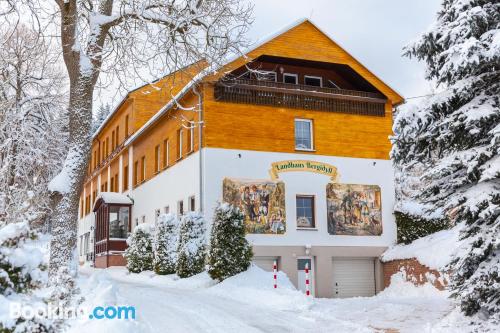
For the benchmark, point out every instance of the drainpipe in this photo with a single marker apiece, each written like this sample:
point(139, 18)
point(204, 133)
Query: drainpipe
point(200, 141)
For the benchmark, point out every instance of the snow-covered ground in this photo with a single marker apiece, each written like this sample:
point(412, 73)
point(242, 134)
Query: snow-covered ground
point(248, 303)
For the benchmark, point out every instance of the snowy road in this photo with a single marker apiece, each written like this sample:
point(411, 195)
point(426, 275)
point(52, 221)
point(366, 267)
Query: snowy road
point(245, 303)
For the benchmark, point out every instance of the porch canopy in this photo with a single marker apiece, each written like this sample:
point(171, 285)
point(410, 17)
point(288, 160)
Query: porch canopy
point(112, 222)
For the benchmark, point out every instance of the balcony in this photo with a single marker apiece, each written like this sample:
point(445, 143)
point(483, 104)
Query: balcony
point(298, 96)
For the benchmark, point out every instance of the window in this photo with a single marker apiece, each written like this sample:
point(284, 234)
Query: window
point(313, 81)
point(117, 133)
point(180, 207)
point(166, 209)
point(136, 172)
point(126, 126)
point(157, 215)
point(125, 178)
point(143, 168)
point(192, 202)
point(303, 134)
point(143, 219)
point(179, 143)
point(305, 211)
point(112, 185)
point(117, 189)
point(166, 153)
point(136, 221)
point(290, 78)
point(118, 221)
point(113, 141)
point(190, 137)
point(107, 146)
point(157, 159)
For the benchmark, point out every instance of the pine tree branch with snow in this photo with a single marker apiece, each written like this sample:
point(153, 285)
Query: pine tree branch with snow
point(454, 139)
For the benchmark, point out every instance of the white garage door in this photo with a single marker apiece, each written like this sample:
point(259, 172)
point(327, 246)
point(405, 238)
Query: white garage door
point(353, 277)
point(266, 263)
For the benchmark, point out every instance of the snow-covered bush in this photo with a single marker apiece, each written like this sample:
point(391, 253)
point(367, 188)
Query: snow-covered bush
point(139, 253)
point(21, 267)
point(22, 273)
point(454, 138)
point(229, 252)
point(165, 242)
point(411, 227)
point(191, 250)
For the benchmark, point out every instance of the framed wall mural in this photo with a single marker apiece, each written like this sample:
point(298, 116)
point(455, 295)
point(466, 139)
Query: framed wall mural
point(354, 210)
point(261, 201)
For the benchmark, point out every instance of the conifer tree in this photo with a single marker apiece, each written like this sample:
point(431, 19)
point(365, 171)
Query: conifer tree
point(165, 242)
point(229, 252)
point(139, 254)
point(191, 250)
point(454, 138)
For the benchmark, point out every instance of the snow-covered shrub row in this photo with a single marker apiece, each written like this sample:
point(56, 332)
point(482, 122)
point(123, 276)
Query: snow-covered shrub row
point(229, 252)
point(191, 249)
point(139, 253)
point(180, 247)
point(165, 242)
point(411, 227)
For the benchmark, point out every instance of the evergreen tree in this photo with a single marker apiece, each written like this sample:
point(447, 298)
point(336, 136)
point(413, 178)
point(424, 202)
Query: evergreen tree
point(102, 113)
point(229, 252)
point(165, 242)
point(192, 245)
point(139, 253)
point(454, 138)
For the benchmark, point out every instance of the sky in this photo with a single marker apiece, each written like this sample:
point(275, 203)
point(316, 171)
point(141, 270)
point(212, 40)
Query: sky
point(373, 31)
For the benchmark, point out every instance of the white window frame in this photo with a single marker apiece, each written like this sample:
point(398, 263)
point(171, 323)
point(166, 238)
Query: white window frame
point(314, 77)
point(179, 204)
point(191, 142)
point(291, 74)
point(311, 130)
point(157, 215)
point(167, 152)
point(192, 199)
point(314, 216)
point(180, 142)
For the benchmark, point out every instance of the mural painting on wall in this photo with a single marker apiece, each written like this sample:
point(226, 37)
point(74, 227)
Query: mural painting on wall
point(261, 201)
point(354, 210)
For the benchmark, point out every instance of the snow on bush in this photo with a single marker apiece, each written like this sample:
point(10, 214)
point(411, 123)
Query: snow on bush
point(22, 276)
point(165, 243)
point(191, 250)
point(139, 253)
point(229, 252)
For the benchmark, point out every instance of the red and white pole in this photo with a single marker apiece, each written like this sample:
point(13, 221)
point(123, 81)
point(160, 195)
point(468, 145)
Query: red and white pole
point(308, 292)
point(275, 277)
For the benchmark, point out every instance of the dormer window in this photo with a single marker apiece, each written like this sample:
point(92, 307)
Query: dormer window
point(316, 81)
point(290, 78)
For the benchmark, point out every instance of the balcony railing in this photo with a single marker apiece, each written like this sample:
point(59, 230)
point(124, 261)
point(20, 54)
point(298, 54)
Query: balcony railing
point(300, 96)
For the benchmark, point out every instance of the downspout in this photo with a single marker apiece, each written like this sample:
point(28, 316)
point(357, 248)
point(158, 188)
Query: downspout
point(200, 142)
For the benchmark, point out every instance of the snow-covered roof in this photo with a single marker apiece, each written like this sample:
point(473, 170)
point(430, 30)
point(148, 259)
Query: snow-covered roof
point(114, 198)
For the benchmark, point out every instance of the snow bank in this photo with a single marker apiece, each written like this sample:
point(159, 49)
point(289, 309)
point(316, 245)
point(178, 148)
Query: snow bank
point(255, 286)
point(401, 287)
point(99, 290)
point(434, 251)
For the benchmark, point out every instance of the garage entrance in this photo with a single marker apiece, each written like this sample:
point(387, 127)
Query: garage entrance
point(353, 277)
